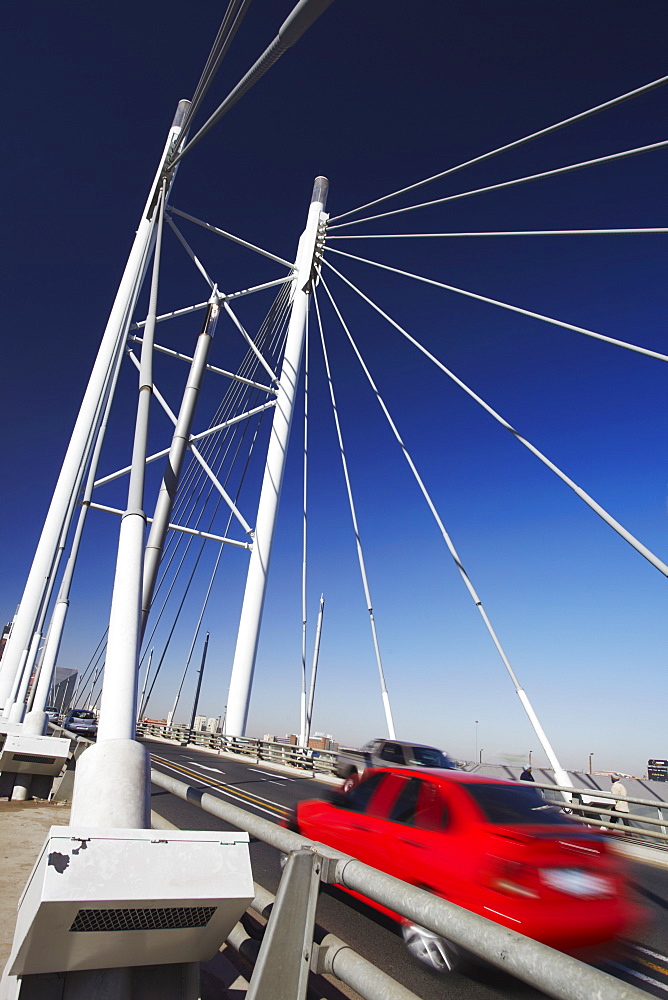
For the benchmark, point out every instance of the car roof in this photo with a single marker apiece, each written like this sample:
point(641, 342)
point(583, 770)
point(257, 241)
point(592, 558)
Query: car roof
point(447, 775)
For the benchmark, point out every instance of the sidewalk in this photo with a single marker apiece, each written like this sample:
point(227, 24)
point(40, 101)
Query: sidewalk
point(23, 830)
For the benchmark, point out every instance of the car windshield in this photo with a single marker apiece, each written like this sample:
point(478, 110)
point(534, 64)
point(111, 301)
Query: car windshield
point(515, 805)
point(83, 715)
point(429, 757)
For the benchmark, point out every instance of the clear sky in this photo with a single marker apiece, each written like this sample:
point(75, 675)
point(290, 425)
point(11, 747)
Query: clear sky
point(375, 101)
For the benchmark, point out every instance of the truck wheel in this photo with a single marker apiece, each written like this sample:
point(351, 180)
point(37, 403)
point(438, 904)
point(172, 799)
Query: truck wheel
point(350, 782)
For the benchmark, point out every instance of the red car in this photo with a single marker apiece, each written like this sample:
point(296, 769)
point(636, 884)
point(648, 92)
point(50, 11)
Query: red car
point(497, 848)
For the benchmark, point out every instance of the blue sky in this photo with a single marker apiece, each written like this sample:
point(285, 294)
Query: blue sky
point(375, 103)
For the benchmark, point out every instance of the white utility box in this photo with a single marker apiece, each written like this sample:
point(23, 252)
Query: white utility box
point(8, 728)
point(34, 754)
point(102, 899)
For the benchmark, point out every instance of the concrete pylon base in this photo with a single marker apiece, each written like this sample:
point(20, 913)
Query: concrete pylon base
point(112, 786)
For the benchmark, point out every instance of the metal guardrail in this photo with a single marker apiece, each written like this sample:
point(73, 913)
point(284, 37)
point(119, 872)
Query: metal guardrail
point(558, 975)
point(642, 824)
point(314, 761)
point(637, 825)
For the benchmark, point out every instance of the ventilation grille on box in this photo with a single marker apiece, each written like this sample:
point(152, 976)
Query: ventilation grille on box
point(162, 919)
point(33, 758)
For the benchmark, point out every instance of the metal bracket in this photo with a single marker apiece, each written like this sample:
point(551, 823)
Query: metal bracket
point(284, 959)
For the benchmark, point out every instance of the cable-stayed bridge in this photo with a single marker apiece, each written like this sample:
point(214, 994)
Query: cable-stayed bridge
point(198, 388)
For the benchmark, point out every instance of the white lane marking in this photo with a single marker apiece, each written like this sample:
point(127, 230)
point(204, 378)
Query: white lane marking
point(231, 795)
point(205, 767)
point(638, 975)
point(270, 774)
point(654, 954)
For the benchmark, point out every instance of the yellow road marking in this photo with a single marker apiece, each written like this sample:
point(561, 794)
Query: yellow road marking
point(280, 811)
point(651, 965)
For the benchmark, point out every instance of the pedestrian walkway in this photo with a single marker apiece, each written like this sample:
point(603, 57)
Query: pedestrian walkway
point(23, 830)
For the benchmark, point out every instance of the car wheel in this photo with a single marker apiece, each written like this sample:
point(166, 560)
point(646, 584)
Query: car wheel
point(431, 949)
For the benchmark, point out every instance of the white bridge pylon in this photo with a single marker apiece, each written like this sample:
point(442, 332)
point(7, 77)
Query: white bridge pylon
point(140, 561)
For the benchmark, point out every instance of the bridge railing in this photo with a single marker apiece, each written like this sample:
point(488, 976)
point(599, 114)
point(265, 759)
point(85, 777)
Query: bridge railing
point(289, 933)
point(646, 819)
point(313, 761)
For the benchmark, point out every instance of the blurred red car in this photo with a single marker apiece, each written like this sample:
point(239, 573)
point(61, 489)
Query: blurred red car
point(497, 848)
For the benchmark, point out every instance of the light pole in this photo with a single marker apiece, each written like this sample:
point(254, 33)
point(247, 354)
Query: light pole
point(476, 739)
point(480, 760)
point(590, 757)
point(530, 752)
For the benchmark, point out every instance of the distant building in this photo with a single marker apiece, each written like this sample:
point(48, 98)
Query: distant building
point(4, 637)
point(200, 723)
point(317, 742)
point(323, 743)
point(212, 726)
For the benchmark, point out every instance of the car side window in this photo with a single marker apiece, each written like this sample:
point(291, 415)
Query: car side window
point(392, 753)
point(419, 804)
point(358, 798)
point(405, 805)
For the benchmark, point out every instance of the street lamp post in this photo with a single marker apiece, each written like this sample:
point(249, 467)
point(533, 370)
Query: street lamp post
point(476, 739)
point(530, 752)
point(590, 757)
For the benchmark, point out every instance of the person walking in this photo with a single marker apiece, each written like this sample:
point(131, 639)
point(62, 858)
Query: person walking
point(526, 775)
point(621, 806)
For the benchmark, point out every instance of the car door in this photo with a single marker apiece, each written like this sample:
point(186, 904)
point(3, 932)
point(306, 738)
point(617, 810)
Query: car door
point(428, 839)
point(350, 822)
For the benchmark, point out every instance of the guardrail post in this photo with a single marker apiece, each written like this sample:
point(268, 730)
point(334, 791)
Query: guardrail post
point(284, 959)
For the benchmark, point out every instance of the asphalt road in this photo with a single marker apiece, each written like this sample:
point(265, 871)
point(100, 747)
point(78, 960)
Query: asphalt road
point(271, 794)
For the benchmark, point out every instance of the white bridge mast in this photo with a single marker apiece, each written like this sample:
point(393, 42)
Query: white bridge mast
point(256, 581)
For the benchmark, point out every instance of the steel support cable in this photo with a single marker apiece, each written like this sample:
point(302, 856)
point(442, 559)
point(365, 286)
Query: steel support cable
point(92, 674)
point(303, 710)
point(353, 515)
point(596, 507)
point(277, 338)
point(196, 634)
point(234, 15)
point(191, 253)
point(298, 21)
point(557, 171)
point(233, 399)
point(202, 480)
point(229, 236)
point(246, 393)
point(547, 746)
point(243, 476)
point(506, 305)
point(517, 232)
point(646, 88)
point(184, 554)
point(232, 395)
point(283, 294)
point(83, 678)
point(197, 454)
point(200, 306)
point(192, 576)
